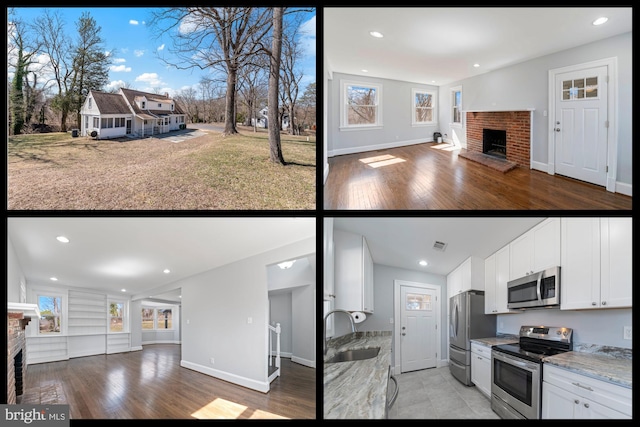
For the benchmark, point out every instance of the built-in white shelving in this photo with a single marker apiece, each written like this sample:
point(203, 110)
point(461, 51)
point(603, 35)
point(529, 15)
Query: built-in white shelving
point(87, 313)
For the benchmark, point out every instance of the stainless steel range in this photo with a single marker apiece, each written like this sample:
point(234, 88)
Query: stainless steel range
point(516, 370)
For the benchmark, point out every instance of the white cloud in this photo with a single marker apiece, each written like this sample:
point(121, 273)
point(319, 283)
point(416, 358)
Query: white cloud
point(119, 60)
point(143, 23)
point(116, 84)
point(119, 68)
point(161, 46)
point(138, 53)
point(150, 78)
point(124, 50)
point(188, 24)
point(133, 22)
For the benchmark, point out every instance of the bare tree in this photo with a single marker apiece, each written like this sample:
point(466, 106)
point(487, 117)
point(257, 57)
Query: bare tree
point(290, 75)
point(253, 89)
point(188, 100)
point(275, 148)
point(307, 106)
point(222, 38)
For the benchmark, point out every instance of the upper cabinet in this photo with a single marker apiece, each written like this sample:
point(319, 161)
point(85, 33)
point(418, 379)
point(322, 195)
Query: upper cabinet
point(328, 287)
point(496, 276)
point(596, 263)
point(467, 276)
point(353, 280)
point(535, 250)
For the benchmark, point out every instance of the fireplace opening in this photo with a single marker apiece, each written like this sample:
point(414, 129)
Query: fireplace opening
point(18, 371)
point(494, 142)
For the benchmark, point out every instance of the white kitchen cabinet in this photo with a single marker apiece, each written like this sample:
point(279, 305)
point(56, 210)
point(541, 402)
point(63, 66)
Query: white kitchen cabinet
point(495, 284)
point(596, 266)
point(569, 395)
point(467, 276)
point(328, 286)
point(353, 280)
point(481, 368)
point(536, 250)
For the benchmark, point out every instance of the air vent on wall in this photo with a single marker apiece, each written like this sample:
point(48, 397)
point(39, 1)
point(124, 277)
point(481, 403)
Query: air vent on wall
point(439, 246)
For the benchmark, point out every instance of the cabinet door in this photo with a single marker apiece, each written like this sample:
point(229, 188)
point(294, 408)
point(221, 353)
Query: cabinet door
point(546, 245)
point(558, 403)
point(367, 303)
point(483, 376)
point(490, 285)
point(454, 282)
point(466, 275)
point(615, 286)
point(328, 287)
point(591, 410)
point(502, 277)
point(521, 250)
point(348, 264)
point(580, 260)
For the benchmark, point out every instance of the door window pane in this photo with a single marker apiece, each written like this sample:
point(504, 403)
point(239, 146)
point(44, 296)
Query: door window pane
point(418, 302)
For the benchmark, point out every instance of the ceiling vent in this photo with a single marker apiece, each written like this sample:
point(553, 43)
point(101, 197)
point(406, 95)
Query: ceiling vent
point(439, 246)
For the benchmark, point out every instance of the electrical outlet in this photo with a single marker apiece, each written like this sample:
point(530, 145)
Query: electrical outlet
point(212, 361)
point(627, 333)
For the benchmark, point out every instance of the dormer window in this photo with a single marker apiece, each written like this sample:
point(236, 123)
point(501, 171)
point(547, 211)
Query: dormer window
point(89, 103)
point(159, 105)
point(144, 104)
point(171, 107)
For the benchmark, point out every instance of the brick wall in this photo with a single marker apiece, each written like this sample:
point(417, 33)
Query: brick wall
point(16, 322)
point(516, 123)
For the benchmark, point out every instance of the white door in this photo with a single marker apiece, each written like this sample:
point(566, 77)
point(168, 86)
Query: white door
point(580, 126)
point(418, 328)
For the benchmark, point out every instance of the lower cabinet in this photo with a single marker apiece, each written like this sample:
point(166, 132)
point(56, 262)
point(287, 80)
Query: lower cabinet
point(567, 395)
point(481, 368)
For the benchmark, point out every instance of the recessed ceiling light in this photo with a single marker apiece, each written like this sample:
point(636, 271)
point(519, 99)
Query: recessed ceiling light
point(600, 21)
point(286, 264)
point(433, 81)
point(123, 290)
point(62, 239)
point(179, 296)
point(423, 263)
point(476, 65)
point(55, 279)
point(166, 271)
point(365, 71)
point(376, 34)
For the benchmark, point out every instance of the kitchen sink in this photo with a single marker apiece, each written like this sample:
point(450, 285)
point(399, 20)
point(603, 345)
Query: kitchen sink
point(357, 354)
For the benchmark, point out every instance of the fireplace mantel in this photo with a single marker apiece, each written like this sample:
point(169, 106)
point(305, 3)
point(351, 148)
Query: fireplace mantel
point(501, 110)
point(28, 310)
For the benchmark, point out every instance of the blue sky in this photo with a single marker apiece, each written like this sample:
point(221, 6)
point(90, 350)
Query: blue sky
point(126, 32)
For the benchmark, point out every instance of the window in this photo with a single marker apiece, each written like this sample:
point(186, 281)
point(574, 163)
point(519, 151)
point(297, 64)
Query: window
point(456, 105)
point(157, 318)
point(89, 103)
point(580, 89)
point(171, 107)
point(116, 316)
point(107, 123)
point(50, 314)
point(96, 122)
point(144, 104)
point(418, 302)
point(424, 111)
point(159, 105)
point(361, 106)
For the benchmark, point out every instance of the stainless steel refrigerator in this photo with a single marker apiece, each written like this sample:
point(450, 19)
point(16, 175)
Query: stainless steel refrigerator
point(466, 322)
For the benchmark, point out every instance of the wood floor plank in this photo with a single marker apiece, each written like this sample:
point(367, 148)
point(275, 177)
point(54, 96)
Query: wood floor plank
point(151, 384)
point(432, 178)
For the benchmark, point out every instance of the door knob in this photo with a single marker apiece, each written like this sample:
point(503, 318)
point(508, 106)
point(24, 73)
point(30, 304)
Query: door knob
point(403, 334)
point(557, 129)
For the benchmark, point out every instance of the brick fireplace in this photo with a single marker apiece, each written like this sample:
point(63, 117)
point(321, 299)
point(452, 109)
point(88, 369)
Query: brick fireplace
point(517, 125)
point(16, 355)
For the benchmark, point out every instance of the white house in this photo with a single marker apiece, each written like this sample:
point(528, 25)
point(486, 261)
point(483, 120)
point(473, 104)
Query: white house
point(113, 115)
point(262, 119)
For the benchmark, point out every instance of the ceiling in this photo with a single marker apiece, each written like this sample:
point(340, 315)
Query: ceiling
point(403, 242)
point(426, 44)
point(111, 254)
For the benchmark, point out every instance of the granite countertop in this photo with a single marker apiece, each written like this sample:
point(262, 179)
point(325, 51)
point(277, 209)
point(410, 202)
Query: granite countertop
point(357, 389)
point(614, 369)
point(493, 341)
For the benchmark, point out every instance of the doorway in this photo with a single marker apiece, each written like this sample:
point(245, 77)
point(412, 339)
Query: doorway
point(417, 330)
point(582, 122)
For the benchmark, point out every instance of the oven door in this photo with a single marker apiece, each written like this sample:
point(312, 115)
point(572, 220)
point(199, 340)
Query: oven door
point(516, 382)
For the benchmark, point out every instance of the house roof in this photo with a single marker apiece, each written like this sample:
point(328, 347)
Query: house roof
point(110, 103)
point(131, 96)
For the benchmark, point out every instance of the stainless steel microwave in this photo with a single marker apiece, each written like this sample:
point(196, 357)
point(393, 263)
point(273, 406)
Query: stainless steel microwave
point(537, 290)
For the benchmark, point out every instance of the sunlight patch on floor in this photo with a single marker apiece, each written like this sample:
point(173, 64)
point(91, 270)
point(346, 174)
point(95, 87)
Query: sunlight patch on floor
point(384, 160)
point(446, 147)
point(224, 409)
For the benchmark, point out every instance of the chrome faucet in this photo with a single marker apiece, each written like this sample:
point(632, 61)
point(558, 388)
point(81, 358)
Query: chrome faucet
point(324, 331)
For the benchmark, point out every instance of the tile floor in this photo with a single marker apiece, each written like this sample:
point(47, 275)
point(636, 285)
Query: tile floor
point(435, 394)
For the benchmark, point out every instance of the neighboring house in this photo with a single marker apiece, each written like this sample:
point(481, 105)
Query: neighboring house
point(262, 120)
point(113, 115)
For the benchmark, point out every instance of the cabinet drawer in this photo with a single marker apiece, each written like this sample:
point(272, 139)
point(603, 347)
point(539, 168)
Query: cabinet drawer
point(610, 395)
point(481, 350)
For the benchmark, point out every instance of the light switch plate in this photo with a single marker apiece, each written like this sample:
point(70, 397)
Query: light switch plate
point(627, 333)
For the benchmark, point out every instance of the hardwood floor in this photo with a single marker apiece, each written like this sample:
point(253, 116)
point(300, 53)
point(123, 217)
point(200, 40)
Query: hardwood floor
point(152, 384)
point(431, 176)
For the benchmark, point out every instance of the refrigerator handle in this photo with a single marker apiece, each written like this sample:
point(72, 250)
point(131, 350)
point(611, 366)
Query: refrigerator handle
point(455, 327)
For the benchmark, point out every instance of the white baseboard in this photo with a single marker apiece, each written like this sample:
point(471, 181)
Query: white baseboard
point(366, 148)
point(543, 167)
point(624, 188)
point(326, 173)
point(161, 342)
point(305, 362)
point(136, 348)
point(226, 376)
point(33, 361)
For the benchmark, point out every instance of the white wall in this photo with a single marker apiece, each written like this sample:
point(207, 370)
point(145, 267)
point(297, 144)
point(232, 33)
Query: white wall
point(383, 282)
point(601, 327)
point(217, 306)
point(15, 275)
point(135, 314)
point(397, 113)
point(525, 85)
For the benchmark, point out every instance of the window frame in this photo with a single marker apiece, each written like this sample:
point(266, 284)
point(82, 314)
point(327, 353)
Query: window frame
point(61, 316)
point(124, 315)
point(434, 103)
point(453, 91)
point(344, 110)
point(156, 318)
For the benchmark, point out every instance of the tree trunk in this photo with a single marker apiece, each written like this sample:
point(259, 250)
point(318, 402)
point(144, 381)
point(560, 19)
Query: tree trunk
point(275, 149)
point(229, 119)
